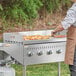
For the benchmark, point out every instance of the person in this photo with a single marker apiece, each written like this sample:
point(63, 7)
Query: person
point(69, 23)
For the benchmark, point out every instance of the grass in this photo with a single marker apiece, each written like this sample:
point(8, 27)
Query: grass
point(50, 69)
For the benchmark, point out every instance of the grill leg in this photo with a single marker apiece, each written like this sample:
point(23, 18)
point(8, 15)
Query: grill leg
point(59, 67)
point(24, 70)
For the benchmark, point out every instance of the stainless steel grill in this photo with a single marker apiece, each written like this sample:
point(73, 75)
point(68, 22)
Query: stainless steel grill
point(28, 52)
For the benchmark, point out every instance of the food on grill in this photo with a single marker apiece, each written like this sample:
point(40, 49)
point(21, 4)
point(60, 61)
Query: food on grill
point(36, 37)
point(59, 36)
point(41, 37)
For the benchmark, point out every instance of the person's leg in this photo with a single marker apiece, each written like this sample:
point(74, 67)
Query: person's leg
point(73, 67)
point(72, 70)
point(73, 73)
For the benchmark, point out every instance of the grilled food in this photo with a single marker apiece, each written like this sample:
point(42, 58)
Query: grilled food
point(59, 36)
point(36, 37)
point(41, 37)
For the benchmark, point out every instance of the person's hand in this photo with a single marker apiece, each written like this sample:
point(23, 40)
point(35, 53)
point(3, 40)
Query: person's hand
point(57, 29)
point(53, 33)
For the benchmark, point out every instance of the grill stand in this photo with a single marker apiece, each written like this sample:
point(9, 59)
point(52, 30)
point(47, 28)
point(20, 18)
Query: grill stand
point(59, 67)
point(24, 70)
point(23, 58)
point(17, 38)
point(24, 67)
point(59, 72)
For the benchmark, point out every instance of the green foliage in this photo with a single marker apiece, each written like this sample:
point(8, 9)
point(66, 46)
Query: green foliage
point(1, 8)
point(54, 5)
point(31, 7)
point(22, 10)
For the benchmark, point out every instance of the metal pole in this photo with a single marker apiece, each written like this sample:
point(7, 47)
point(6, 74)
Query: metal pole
point(24, 70)
point(59, 68)
point(24, 66)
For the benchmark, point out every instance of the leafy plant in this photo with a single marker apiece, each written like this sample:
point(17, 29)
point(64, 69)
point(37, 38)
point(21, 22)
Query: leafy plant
point(54, 5)
point(21, 10)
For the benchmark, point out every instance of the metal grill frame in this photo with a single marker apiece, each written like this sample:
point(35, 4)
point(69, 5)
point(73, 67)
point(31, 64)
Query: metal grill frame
point(16, 39)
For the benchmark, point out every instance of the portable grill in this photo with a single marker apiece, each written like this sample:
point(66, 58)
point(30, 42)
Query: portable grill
point(28, 52)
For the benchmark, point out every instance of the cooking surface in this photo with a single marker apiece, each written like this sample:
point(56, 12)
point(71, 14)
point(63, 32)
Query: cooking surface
point(44, 36)
point(52, 40)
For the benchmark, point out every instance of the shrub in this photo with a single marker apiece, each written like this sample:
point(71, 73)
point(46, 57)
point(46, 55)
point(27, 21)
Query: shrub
point(28, 9)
